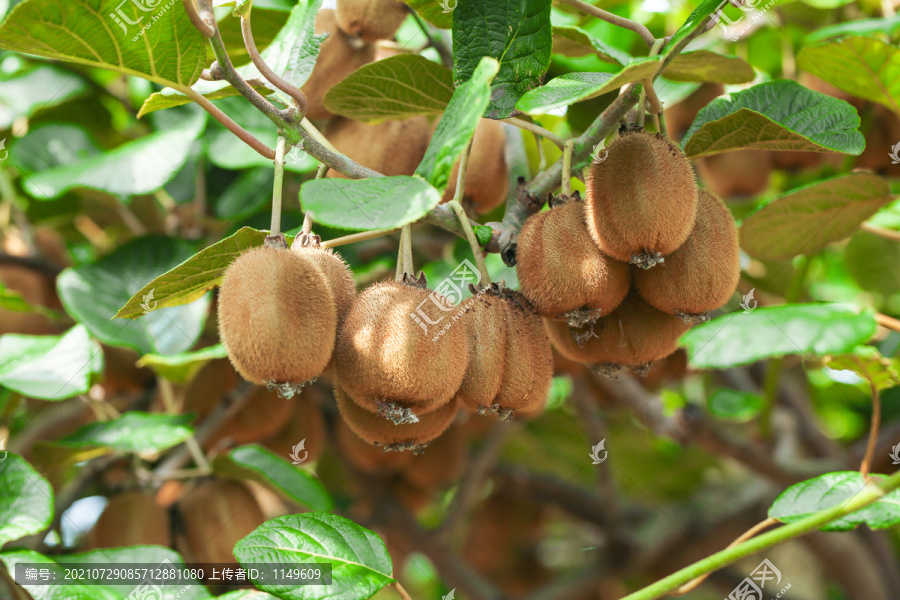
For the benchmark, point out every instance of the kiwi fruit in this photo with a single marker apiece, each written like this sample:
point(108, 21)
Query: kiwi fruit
point(375, 429)
point(277, 318)
point(633, 336)
point(641, 200)
point(740, 174)
point(365, 457)
point(487, 177)
point(703, 273)
point(486, 320)
point(216, 515)
point(262, 416)
point(335, 269)
point(370, 20)
point(339, 55)
point(131, 519)
point(562, 272)
point(390, 361)
point(394, 147)
point(532, 372)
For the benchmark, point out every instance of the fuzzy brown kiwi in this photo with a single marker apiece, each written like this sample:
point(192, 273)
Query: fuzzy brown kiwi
point(701, 275)
point(119, 524)
point(277, 317)
point(562, 272)
point(633, 336)
point(336, 271)
point(262, 416)
point(367, 457)
point(641, 200)
point(394, 147)
point(375, 429)
point(487, 177)
point(371, 20)
point(388, 357)
point(442, 463)
point(339, 55)
point(740, 174)
point(486, 320)
point(216, 515)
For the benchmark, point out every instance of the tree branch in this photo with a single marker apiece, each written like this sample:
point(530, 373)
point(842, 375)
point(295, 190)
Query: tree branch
point(614, 19)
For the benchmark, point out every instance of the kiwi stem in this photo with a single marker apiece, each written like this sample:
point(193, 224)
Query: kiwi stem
point(889, 234)
point(241, 133)
point(403, 593)
point(197, 21)
point(477, 252)
point(887, 322)
point(874, 427)
point(276, 188)
point(358, 237)
point(567, 168)
point(661, 121)
point(296, 95)
point(537, 129)
point(614, 19)
point(404, 253)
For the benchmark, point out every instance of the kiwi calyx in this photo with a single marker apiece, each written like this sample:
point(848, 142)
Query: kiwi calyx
point(610, 370)
point(403, 447)
point(693, 318)
point(305, 240)
point(287, 389)
point(647, 260)
point(581, 317)
point(276, 241)
point(411, 280)
point(399, 415)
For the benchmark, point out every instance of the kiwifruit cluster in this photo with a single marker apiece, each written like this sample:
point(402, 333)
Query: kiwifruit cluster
point(371, 20)
point(394, 147)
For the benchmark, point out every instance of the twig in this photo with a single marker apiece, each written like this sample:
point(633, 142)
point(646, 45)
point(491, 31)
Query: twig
point(536, 129)
point(614, 19)
point(242, 134)
point(439, 46)
point(873, 428)
point(34, 263)
point(296, 94)
point(275, 228)
point(400, 590)
point(198, 21)
point(887, 322)
point(358, 237)
point(567, 168)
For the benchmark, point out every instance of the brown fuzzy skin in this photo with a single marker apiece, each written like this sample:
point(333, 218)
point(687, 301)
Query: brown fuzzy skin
point(305, 423)
point(216, 515)
point(371, 20)
point(740, 174)
point(375, 429)
point(262, 416)
point(394, 147)
point(701, 275)
point(487, 177)
point(532, 339)
point(384, 356)
point(634, 335)
point(337, 273)
point(368, 458)
point(560, 269)
point(642, 198)
point(118, 525)
point(339, 55)
point(442, 463)
point(277, 317)
point(487, 322)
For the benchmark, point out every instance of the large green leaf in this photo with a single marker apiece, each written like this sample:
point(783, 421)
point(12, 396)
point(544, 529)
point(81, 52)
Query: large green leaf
point(291, 55)
point(256, 463)
point(373, 203)
point(775, 115)
point(133, 432)
point(183, 366)
point(360, 562)
point(576, 42)
point(191, 279)
point(574, 87)
point(861, 27)
point(807, 219)
point(870, 364)
point(515, 32)
point(50, 367)
point(457, 125)
point(42, 87)
point(26, 499)
point(436, 12)
point(393, 88)
point(693, 22)
point(704, 65)
point(867, 67)
point(92, 293)
point(48, 146)
point(808, 329)
point(168, 50)
point(138, 167)
point(829, 490)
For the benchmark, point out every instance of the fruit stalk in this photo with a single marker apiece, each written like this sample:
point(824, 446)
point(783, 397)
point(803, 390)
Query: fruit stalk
point(567, 168)
point(276, 188)
point(537, 130)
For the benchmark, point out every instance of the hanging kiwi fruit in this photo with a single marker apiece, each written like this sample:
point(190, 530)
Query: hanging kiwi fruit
point(117, 525)
point(393, 147)
point(371, 20)
point(487, 177)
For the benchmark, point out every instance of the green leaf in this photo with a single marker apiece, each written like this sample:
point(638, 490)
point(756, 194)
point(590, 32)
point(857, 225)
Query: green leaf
point(92, 293)
point(360, 562)
point(393, 88)
point(437, 12)
point(26, 499)
point(775, 115)
point(169, 52)
point(704, 65)
point(373, 203)
point(53, 145)
point(576, 42)
point(134, 431)
point(261, 465)
point(864, 66)
point(50, 367)
point(741, 338)
point(574, 87)
point(860, 27)
point(515, 32)
point(868, 363)
point(191, 279)
point(807, 219)
point(139, 167)
point(830, 490)
point(457, 125)
point(735, 405)
point(181, 367)
point(560, 390)
point(693, 22)
point(42, 87)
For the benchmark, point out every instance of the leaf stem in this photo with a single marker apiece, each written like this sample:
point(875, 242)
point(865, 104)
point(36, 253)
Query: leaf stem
point(874, 427)
point(400, 590)
point(887, 322)
point(477, 252)
point(242, 134)
point(296, 95)
point(358, 237)
point(884, 232)
point(536, 129)
point(198, 21)
point(609, 17)
point(567, 168)
point(277, 186)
